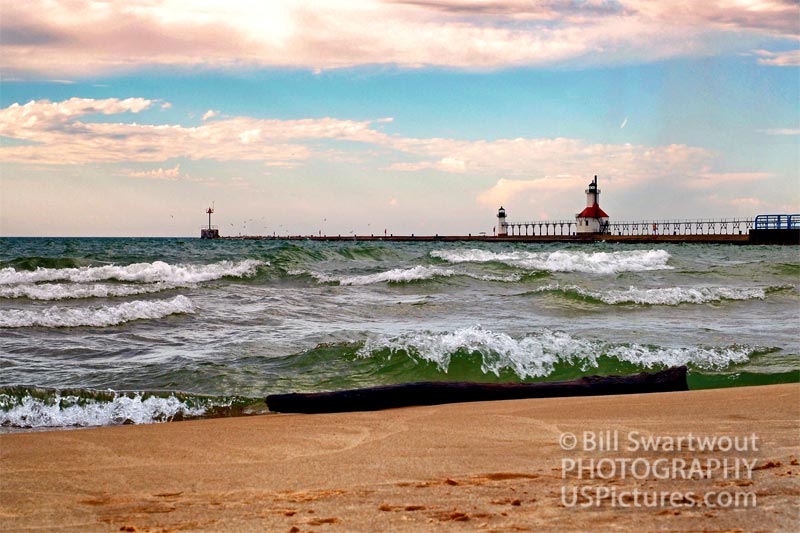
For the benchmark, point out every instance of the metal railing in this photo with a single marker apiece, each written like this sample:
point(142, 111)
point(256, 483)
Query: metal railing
point(542, 227)
point(778, 222)
point(722, 226)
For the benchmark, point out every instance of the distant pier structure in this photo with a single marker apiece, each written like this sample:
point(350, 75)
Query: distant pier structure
point(592, 224)
point(209, 232)
point(591, 221)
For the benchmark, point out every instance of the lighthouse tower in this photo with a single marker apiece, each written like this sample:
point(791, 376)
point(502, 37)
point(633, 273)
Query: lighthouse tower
point(502, 225)
point(592, 219)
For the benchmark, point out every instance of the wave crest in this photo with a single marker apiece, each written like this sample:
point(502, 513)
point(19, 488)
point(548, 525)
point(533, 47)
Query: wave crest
point(537, 355)
point(65, 410)
point(157, 271)
point(67, 291)
point(663, 295)
point(58, 317)
point(403, 275)
point(564, 260)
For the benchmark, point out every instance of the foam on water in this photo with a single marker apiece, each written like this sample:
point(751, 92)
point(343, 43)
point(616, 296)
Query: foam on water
point(664, 295)
point(66, 291)
point(403, 275)
point(536, 355)
point(70, 410)
point(565, 260)
point(56, 316)
point(157, 271)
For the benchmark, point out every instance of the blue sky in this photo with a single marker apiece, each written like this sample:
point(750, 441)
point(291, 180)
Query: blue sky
point(414, 117)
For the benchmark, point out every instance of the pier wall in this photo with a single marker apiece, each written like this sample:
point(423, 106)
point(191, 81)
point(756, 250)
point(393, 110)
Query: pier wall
point(699, 239)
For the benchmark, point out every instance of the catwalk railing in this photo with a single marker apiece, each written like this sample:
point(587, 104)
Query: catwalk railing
point(778, 222)
point(722, 226)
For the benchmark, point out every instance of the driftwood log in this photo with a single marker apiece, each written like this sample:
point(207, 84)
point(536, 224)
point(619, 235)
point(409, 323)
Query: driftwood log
point(435, 393)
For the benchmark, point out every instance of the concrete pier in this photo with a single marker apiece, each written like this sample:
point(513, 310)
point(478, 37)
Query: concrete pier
point(753, 237)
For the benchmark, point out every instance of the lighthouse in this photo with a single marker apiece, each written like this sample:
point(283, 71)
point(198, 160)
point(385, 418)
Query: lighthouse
point(502, 225)
point(592, 219)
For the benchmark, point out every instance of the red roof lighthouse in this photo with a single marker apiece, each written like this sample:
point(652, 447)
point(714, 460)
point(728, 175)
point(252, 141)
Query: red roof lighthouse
point(592, 219)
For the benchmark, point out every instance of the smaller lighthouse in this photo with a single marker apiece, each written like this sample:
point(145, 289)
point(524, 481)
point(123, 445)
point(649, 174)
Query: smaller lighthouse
point(210, 232)
point(592, 219)
point(502, 225)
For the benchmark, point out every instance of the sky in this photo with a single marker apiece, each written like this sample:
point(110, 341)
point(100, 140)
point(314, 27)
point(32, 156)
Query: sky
point(131, 118)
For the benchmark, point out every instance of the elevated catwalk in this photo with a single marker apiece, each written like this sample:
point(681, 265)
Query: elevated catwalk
point(753, 237)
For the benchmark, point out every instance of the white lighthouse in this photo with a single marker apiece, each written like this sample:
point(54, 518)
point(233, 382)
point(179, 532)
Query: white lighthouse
point(502, 225)
point(592, 219)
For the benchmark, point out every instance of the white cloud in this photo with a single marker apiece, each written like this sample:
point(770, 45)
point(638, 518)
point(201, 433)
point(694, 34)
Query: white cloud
point(209, 114)
point(710, 179)
point(168, 174)
point(58, 136)
point(546, 170)
point(526, 158)
point(82, 38)
point(789, 58)
point(781, 131)
point(749, 203)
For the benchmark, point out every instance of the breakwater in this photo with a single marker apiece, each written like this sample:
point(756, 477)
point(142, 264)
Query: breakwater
point(752, 237)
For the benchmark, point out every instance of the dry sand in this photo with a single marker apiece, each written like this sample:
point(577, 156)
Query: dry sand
point(494, 466)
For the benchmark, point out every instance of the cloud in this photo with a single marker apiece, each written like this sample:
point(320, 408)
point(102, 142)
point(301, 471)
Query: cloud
point(750, 203)
point(781, 131)
point(524, 158)
point(44, 115)
point(168, 174)
point(85, 38)
point(209, 114)
point(710, 179)
point(789, 58)
point(57, 135)
point(624, 123)
point(61, 133)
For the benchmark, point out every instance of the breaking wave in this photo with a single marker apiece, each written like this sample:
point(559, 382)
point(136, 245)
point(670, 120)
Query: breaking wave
point(37, 408)
point(157, 271)
point(662, 296)
point(565, 261)
point(65, 291)
point(59, 317)
point(538, 355)
point(404, 275)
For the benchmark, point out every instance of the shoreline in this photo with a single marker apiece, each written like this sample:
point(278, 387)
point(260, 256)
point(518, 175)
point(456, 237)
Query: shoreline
point(476, 466)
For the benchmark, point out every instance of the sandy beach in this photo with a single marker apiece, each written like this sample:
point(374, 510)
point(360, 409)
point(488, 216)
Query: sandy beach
point(495, 466)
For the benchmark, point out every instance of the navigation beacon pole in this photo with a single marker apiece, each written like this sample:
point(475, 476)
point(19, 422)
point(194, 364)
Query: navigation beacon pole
point(210, 232)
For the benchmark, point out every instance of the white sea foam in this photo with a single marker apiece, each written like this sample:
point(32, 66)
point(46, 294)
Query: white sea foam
point(403, 275)
point(65, 291)
point(68, 410)
point(664, 295)
point(565, 261)
point(157, 271)
point(56, 316)
point(536, 355)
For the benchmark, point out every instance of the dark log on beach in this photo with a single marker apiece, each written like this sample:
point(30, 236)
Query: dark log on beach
point(435, 393)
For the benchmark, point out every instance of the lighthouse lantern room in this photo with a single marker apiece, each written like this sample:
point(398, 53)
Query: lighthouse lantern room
point(592, 219)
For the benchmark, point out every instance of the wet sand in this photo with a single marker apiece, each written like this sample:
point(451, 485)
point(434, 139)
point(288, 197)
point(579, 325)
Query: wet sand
point(494, 466)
